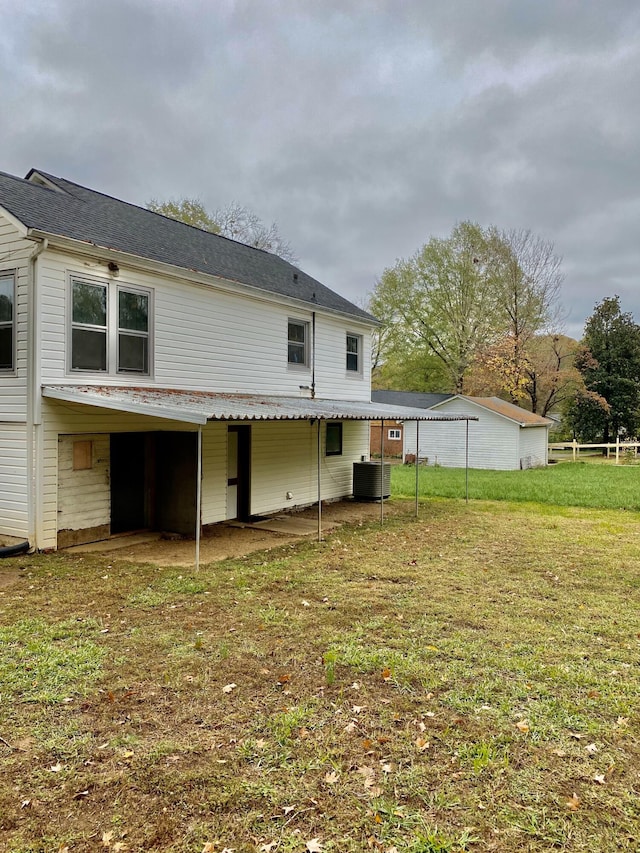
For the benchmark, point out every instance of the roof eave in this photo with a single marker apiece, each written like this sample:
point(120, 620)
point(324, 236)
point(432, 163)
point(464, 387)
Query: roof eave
point(174, 271)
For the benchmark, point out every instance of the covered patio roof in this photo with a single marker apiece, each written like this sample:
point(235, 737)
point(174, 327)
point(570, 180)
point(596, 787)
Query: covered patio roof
point(199, 407)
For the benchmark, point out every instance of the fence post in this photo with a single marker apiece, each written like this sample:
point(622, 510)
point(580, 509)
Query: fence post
point(573, 449)
point(617, 449)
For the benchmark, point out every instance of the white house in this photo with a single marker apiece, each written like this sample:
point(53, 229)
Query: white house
point(504, 437)
point(153, 375)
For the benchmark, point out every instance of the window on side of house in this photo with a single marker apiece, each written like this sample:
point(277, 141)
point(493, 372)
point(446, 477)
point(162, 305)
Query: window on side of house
point(394, 434)
point(298, 343)
point(333, 444)
point(354, 353)
point(110, 328)
point(133, 331)
point(88, 326)
point(7, 319)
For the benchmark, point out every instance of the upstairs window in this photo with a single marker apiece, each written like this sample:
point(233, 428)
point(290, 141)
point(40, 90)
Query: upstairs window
point(298, 343)
point(354, 353)
point(88, 326)
point(110, 328)
point(133, 331)
point(7, 319)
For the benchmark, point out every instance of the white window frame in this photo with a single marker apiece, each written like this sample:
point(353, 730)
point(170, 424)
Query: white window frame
point(10, 275)
point(297, 365)
point(357, 370)
point(112, 328)
point(394, 434)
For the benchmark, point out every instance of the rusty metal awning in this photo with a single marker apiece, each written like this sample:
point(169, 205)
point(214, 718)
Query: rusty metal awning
point(198, 407)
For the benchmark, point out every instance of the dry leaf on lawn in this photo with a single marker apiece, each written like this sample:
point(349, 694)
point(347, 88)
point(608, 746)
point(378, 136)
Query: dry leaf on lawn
point(229, 687)
point(574, 802)
point(314, 845)
point(523, 725)
point(331, 777)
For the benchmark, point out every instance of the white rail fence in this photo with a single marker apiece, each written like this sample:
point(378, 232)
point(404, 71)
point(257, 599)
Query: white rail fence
point(618, 446)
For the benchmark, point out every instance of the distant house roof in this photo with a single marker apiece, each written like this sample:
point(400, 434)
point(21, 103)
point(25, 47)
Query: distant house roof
point(506, 410)
point(413, 399)
point(55, 207)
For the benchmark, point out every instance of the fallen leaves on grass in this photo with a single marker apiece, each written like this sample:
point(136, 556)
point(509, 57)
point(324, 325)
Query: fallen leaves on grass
point(573, 803)
point(523, 725)
point(314, 845)
point(229, 687)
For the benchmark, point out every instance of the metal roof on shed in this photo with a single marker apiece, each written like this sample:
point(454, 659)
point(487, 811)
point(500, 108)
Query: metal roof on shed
point(198, 407)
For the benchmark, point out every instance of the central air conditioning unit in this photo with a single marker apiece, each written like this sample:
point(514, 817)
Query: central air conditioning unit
point(367, 479)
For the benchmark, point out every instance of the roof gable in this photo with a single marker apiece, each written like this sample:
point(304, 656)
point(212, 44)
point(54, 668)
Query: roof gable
point(496, 406)
point(59, 208)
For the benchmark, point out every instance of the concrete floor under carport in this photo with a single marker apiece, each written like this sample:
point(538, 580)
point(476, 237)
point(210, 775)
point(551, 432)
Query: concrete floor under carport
point(236, 539)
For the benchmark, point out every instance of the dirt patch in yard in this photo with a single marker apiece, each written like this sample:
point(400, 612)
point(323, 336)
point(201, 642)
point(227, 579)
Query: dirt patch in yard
point(226, 540)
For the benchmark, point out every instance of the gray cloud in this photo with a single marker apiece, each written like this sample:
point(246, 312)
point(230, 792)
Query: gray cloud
point(361, 128)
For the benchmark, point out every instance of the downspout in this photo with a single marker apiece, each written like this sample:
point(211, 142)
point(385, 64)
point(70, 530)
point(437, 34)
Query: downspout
point(313, 355)
point(34, 417)
point(319, 457)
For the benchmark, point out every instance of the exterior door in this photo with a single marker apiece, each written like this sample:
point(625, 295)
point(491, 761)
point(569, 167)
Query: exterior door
point(239, 472)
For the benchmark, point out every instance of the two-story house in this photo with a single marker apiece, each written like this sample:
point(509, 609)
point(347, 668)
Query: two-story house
point(153, 375)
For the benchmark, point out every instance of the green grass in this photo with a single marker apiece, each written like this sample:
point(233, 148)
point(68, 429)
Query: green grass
point(464, 681)
point(565, 484)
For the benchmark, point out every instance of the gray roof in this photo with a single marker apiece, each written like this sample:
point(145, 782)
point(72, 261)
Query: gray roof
point(198, 407)
point(413, 399)
point(69, 210)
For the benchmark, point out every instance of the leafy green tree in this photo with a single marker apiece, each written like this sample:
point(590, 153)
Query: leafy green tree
point(441, 301)
point(610, 366)
point(476, 291)
point(234, 221)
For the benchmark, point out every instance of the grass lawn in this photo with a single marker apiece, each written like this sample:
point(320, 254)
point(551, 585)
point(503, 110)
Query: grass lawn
point(565, 484)
point(465, 681)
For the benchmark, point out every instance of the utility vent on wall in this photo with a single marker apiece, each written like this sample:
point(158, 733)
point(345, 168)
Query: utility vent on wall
point(367, 479)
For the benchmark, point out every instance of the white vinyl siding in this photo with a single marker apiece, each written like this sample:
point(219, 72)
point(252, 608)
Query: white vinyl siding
point(14, 482)
point(14, 254)
point(284, 459)
point(495, 442)
point(208, 337)
point(533, 446)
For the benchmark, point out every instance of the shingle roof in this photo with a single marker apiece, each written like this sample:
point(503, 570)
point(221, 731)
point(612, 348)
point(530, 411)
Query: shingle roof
point(69, 210)
point(413, 399)
point(511, 411)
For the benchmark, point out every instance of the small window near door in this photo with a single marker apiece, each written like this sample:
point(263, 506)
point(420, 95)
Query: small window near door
point(334, 440)
point(394, 434)
point(82, 455)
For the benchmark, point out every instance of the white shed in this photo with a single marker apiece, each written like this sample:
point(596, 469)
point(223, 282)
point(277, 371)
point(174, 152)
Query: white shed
point(505, 437)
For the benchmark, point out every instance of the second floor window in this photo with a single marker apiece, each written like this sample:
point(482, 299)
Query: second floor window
point(298, 343)
point(354, 347)
point(110, 328)
point(7, 319)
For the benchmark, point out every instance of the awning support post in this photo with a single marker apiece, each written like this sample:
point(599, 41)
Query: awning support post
point(319, 454)
point(198, 497)
point(382, 472)
point(417, 461)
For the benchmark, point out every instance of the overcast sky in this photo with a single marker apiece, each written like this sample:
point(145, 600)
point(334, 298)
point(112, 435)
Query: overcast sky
point(361, 128)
